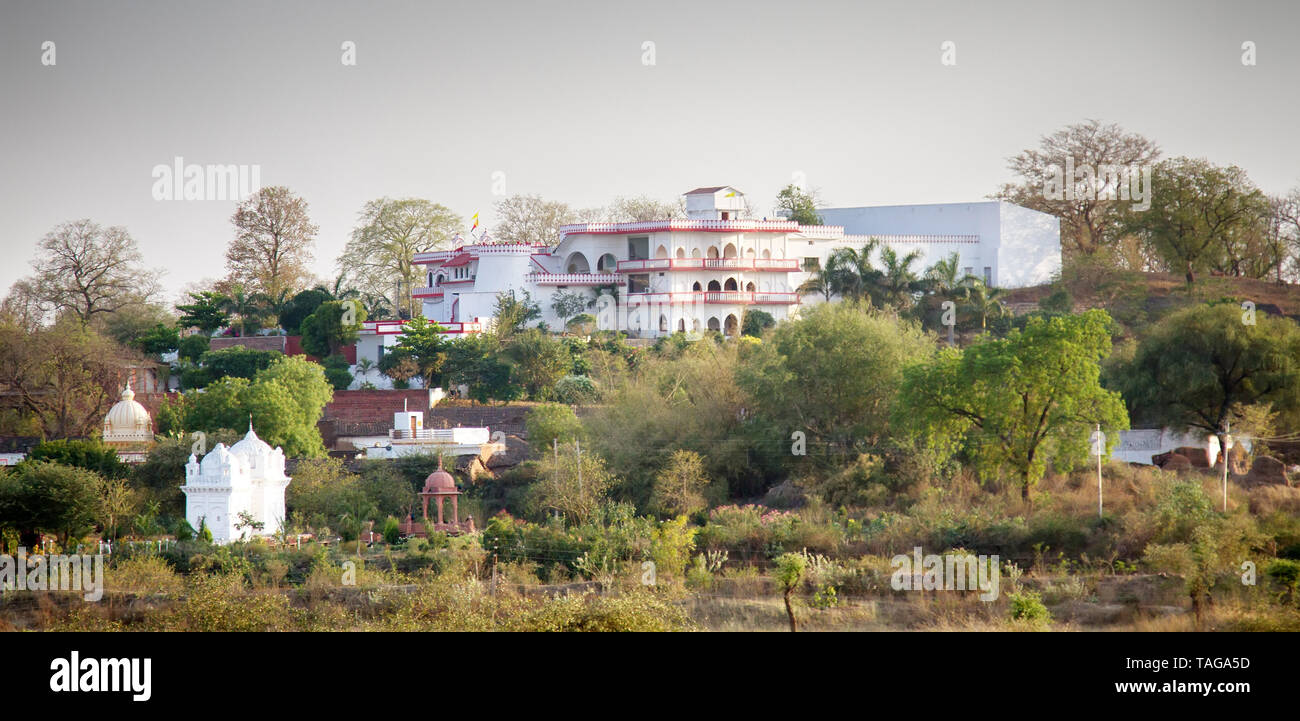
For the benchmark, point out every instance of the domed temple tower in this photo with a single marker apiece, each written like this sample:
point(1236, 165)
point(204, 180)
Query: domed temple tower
point(247, 477)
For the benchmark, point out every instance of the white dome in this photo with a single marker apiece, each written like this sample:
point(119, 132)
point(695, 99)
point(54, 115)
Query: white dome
point(251, 448)
point(128, 421)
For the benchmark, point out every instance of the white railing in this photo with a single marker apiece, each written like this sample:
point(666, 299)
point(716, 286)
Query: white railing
point(574, 278)
point(758, 264)
point(727, 297)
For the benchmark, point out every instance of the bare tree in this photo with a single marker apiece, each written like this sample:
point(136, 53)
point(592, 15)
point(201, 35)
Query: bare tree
point(531, 219)
point(86, 269)
point(273, 242)
point(1088, 223)
point(379, 260)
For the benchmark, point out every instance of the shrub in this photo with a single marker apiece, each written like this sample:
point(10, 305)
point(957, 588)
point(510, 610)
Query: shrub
point(576, 390)
point(192, 347)
point(392, 531)
point(1027, 608)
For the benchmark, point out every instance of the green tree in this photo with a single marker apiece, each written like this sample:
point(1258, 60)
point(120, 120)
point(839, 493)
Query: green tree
point(380, 257)
point(798, 205)
point(237, 361)
point(284, 401)
point(851, 275)
point(512, 312)
point(679, 486)
point(206, 311)
point(789, 573)
point(423, 341)
point(242, 304)
point(333, 325)
point(1201, 216)
point(192, 347)
point(300, 306)
point(574, 487)
point(796, 379)
point(90, 454)
point(475, 361)
point(756, 321)
point(538, 362)
point(982, 301)
point(551, 422)
point(158, 340)
point(567, 305)
point(52, 498)
point(1017, 402)
point(898, 282)
point(1199, 364)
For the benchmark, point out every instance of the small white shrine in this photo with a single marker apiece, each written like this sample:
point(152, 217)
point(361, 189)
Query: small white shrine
point(247, 477)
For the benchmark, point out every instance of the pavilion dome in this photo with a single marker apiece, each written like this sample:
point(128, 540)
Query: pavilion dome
point(128, 421)
point(440, 481)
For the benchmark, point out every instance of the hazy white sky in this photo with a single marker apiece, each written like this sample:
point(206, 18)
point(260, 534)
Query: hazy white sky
point(555, 95)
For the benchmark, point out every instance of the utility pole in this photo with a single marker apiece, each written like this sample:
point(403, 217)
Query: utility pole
point(1098, 450)
point(1103, 442)
point(1227, 446)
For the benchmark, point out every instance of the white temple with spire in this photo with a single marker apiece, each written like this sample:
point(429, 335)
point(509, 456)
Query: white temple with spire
point(247, 477)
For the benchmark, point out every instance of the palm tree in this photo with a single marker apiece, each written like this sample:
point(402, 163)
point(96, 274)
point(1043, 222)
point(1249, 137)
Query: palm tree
point(850, 271)
point(945, 278)
point(364, 366)
point(983, 301)
point(277, 303)
point(241, 303)
point(944, 283)
point(339, 289)
point(820, 281)
point(898, 283)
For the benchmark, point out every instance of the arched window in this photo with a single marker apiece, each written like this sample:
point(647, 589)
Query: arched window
point(750, 286)
point(662, 252)
point(749, 252)
point(695, 252)
point(696, 286)
point(713, 324)
point(767, 254)
point(732, 325)
point(681, 252)
point(731, 284)
point(663, 323)
point(713, 251)
point(681, 325)
point(714, 285)
point(577, 263)
point(729, 251)
point(607, 263)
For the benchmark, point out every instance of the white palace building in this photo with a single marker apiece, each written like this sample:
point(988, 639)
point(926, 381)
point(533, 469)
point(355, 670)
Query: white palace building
point(703, 271)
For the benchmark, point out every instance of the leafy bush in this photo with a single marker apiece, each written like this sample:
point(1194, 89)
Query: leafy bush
point(550, 422)
point(576, 390)
point(1027, 608)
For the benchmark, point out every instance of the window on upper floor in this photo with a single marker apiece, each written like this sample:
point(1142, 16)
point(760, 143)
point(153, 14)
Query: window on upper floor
point(638, 247)
point(811, 265)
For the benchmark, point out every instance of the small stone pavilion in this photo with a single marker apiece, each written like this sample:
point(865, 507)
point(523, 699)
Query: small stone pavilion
point(440, 485)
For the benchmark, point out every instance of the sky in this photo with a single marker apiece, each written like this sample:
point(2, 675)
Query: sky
point(460, 102)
